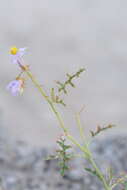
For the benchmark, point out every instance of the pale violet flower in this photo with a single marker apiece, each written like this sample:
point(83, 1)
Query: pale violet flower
point(16, 54)
point(16, 86)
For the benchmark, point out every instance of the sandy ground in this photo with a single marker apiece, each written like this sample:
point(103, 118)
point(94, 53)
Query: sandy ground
point(61, 37)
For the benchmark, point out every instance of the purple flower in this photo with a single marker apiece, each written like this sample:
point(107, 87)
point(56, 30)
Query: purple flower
point(16, 54)
point(16, 87)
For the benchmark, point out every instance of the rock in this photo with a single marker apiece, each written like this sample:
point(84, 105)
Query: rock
point(25, 168)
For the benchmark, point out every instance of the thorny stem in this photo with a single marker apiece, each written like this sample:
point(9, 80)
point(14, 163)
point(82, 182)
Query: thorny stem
point(84, 148)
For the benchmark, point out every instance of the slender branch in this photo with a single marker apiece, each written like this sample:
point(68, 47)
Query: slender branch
point(106, 186)
point(81, 131)
point(52, 106)
point(84, 148)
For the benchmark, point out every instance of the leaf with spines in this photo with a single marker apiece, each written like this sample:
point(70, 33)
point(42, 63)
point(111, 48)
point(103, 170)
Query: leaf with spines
point(62, 155)
point(62, 86)
point(100, 129)
point(56, 98)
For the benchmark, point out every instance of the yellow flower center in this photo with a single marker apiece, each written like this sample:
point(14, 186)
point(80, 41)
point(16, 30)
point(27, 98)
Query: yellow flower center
point(14, 50)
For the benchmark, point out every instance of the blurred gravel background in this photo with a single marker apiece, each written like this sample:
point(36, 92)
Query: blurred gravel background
point(62, 36)
point(25, 168)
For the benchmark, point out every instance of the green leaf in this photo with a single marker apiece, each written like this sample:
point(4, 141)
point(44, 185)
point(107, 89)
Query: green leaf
point(62, 86)
point(93, 172)
point(52, 157)
point(125, 183)
point(62, 172)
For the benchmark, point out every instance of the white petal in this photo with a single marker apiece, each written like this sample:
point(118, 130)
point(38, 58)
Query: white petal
point(14, 59)
point(22, 51)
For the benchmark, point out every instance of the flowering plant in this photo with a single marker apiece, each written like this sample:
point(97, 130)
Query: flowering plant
point(17, 87)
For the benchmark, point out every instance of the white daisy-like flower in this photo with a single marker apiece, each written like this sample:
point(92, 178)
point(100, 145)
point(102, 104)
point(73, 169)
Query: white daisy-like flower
point(16, 54)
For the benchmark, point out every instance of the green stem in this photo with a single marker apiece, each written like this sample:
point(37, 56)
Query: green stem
point(52, 106)
point(81, 131)
point(106, 186)
point(84, 148)
point(88, 156)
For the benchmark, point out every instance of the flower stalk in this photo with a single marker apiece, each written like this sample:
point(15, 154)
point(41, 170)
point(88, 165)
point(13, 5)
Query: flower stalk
point(52, 106)
point(84, 149)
